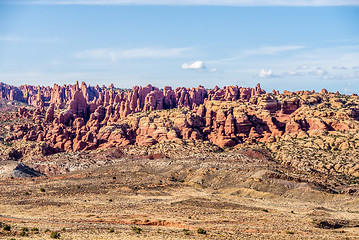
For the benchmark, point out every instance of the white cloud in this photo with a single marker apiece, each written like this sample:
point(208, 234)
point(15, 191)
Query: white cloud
point(339, 67)
point(200, 2)
point(273, 50)
point(319, 72)
point(268, 50)
point(194, 66)
point(115, 54)
point(265, 74)
point(12, 38)
point(224, 60)
point(303, 67)
point(353, 75)
point(350, 76)
point(293, 73)
point(213, 69)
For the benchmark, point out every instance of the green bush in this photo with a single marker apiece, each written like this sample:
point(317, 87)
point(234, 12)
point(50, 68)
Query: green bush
point(136, 229)
point(24, 229)
point(34, 229)
point(186, 231)
point(23, 234)
point(201, 231)
point(55, 235)
point(7, 227)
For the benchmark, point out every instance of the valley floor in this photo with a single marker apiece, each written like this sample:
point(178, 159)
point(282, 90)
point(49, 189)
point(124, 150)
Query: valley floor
point(229, 195)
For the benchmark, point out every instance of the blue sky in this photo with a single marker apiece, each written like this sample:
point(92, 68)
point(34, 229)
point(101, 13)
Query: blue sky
point(288, 45)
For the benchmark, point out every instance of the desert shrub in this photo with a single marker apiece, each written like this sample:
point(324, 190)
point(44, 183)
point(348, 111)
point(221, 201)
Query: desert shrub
point(265, 210)
point(201, 231)
point(7, 227)
point(328, 224)
point(42, 189)
point(136, 229)
point(34, 229)
point(24, 229)
point(55, 235)
point(186, 231)
point(111, 230)
point(290, 232)
point(23, 234)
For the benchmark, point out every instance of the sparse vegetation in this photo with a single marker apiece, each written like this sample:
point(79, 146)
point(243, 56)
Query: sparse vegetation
point(42, 190)
point(201, 231)
point(55, 235)
point(23, 234)
point(136, 229)
point(7, 227)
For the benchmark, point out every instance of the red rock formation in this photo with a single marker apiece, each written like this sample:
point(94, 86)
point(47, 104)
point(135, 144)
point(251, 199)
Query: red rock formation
point(50, 113)
point(85, 124)
point(78, 105)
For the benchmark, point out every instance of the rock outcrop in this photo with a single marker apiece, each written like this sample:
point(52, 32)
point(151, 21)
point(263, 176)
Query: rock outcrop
point(83, 117)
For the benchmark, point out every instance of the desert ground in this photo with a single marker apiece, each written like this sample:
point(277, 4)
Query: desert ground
point(231, 163)
point(233, 194)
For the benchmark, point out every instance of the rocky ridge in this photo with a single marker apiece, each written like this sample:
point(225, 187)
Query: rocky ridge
point(310, 131)
point(84, 118)
point(77, 118)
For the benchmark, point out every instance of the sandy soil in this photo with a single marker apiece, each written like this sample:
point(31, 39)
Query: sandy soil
point(230, 196)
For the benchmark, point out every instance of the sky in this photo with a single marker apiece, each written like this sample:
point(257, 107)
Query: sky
point(283, 45)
